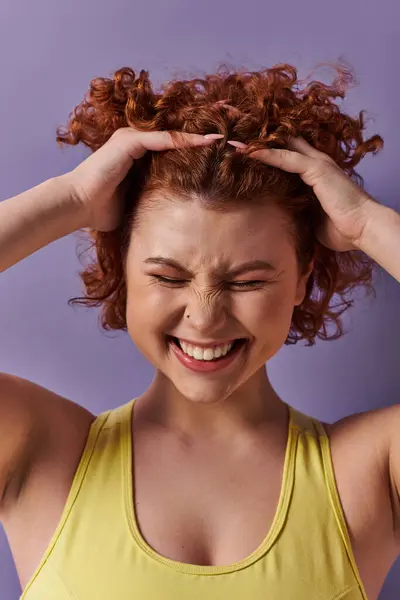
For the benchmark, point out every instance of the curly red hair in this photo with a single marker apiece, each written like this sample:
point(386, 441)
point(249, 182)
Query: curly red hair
point(269, 106)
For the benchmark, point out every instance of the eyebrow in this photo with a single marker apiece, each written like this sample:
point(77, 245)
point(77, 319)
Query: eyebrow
point(252, 265)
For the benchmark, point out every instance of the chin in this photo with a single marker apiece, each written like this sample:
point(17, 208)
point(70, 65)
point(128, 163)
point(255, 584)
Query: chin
point(201, 395)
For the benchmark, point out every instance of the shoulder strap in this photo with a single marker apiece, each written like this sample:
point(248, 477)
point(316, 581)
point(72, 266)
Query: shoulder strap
point(315, 476)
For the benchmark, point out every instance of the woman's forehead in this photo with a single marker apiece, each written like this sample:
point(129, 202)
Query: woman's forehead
point(196, 215)
point(190, 234)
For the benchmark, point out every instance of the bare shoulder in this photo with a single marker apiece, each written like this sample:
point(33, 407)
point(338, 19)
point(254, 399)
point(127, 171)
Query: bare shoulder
point(367, 437)
point(370, 428)
point(362, 447)
point(35, 422)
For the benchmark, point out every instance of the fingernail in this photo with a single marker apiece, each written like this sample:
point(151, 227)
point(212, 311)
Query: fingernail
point(214, 136)
point(236, 144)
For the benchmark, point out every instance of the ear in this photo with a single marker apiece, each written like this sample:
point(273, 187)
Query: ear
point(302, 284)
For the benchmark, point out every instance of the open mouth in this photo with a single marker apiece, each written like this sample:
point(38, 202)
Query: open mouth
point(204, 356)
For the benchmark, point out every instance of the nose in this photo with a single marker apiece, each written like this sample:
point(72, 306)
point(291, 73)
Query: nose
point(204, 314)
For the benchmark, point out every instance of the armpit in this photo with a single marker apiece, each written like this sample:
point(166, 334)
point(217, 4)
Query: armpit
point(395, 502)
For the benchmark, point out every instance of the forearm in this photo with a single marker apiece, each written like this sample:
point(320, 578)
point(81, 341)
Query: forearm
point(381, 238)
point(36, 218)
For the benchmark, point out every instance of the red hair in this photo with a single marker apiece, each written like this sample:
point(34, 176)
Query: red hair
point(269, 106)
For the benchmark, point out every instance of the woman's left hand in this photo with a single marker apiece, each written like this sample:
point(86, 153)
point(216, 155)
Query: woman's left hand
point(346, 205)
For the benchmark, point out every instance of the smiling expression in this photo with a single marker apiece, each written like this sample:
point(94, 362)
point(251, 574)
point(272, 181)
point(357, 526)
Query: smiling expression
point(208, 278)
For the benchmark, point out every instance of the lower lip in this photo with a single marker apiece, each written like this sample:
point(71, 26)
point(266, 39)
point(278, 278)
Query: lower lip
point(206, 365)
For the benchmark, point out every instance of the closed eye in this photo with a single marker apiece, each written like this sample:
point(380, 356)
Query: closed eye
point(237, 284)
point(168, 280)
point(247, 284)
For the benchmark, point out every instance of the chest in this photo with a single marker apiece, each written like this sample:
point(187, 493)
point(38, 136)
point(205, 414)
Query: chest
point(205, 505)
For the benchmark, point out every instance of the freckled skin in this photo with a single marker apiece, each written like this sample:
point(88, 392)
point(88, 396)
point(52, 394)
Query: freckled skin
point(203, 241)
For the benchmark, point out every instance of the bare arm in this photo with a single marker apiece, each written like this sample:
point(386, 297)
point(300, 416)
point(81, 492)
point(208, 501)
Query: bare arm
point(36, 218)
point(18, 431)
point(88, 196)
point(381, 238)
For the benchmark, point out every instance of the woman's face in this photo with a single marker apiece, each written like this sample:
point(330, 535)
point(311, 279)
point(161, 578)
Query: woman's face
point(186, 281)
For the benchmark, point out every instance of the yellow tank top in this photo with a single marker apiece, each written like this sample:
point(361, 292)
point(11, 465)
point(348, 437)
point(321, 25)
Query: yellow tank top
point(98, 553)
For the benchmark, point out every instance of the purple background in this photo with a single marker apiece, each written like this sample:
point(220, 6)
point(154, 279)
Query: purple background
point(50, 50)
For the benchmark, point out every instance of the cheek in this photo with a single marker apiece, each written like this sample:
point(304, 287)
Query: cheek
point(145, 324)
point(148, 309)
point(268, 318)
point(265, 307)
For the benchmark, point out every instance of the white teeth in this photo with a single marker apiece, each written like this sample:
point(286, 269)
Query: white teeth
point(205, 353)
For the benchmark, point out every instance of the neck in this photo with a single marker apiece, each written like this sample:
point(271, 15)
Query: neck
point(253, 405)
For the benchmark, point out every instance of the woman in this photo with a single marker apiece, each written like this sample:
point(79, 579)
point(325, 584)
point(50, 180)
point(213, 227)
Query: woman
point(213, 252)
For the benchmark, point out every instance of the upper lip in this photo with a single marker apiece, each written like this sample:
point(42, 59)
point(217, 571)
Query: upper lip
point(207, 344)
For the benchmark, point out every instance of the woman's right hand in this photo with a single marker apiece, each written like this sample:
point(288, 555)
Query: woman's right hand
point(96, 182)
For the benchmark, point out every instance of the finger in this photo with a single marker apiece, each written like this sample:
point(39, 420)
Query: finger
point(283, 159)
point(138, 142)
point(299, 144)
point(165, 140)
point(292, 162)
point(236, 144)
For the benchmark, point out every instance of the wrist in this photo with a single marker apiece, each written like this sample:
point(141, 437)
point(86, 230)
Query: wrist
point(373, 211)
point(380, 238)
point(71, 203)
